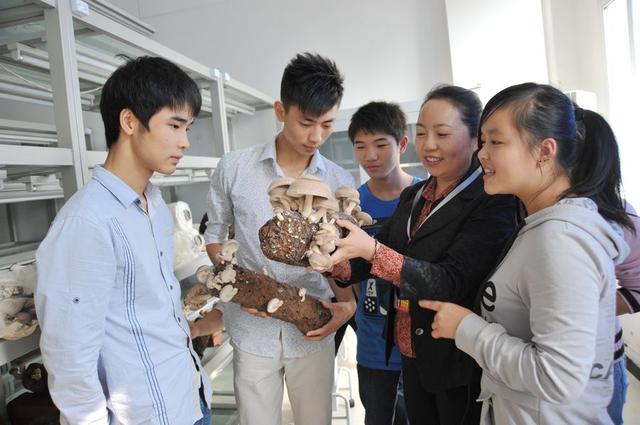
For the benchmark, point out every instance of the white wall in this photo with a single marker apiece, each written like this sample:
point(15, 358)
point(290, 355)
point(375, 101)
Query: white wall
point(576, 51)
point(387, 49)
point(496, 43)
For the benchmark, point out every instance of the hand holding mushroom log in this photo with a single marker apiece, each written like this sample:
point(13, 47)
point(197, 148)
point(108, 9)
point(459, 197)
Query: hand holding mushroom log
point(232, 283)
point(357, 244)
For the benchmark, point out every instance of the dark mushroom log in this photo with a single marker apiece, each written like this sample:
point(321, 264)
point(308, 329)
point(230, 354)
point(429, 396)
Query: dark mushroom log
point(303, 231)
point(232, 283)
point(287, 240)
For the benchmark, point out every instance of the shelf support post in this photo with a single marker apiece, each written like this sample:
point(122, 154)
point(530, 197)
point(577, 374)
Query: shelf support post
point(66, 93)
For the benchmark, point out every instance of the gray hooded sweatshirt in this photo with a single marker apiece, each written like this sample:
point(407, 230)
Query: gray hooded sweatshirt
point(544, 339)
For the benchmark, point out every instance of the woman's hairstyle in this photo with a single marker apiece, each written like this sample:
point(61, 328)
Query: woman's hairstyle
point(465, 101)
point(586, 146)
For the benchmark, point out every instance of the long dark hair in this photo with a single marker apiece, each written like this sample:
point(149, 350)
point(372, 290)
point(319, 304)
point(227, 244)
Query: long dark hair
point(587, 147)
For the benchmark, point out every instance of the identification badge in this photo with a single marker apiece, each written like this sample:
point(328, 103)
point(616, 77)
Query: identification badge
point(371, 298)
point(402, 305)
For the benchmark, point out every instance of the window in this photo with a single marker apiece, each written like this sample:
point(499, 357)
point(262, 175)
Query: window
point(622, 43)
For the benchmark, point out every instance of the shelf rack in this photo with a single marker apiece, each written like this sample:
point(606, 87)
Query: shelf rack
point(51, 57)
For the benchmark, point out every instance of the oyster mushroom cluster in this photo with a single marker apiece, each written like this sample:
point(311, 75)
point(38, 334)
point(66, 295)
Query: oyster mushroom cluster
point(232, 283)
point(303, 231)
point(17, 308)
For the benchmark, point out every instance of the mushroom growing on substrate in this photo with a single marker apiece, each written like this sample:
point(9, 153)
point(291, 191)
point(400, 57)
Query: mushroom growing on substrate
point(363, 218)
point(308, 187)
point(348, 197)
point(307, 236)
point(255, 290)
point(322, 207)
point(278, 194)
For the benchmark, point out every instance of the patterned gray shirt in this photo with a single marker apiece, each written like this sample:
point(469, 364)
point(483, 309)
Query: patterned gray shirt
point(238, 196)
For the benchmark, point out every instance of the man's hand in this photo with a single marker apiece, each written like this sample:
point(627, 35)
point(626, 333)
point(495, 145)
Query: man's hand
point(213, 249)
point(341, 312)
point(208, 325)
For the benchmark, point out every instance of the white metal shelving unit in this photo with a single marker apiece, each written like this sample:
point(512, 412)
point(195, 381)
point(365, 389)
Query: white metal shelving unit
point(53, 58)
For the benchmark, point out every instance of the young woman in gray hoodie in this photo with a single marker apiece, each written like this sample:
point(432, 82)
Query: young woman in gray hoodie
point(544, 334)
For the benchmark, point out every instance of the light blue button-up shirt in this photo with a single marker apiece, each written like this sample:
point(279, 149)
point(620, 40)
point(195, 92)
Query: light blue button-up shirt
point(114, 340)
point(238, 196)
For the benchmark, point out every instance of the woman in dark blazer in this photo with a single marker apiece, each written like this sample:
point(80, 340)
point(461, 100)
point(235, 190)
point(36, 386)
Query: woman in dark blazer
point(443, 239)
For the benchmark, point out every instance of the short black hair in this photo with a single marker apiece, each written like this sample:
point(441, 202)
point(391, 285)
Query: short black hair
point(312, 83)
point(464, 100)
point(145, 85)
point(383, 117)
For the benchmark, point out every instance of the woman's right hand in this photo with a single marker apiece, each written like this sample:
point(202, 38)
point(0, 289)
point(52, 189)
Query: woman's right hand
point(357, 244)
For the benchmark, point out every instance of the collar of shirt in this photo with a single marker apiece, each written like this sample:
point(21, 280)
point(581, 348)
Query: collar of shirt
point(123, 192)
point(316, 165)
point(429, 193)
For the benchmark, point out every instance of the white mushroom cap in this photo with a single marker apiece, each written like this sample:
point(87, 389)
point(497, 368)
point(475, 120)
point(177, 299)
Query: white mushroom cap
point(320, 262)
point(363, 218)
point(281, 201)
point(227, 293)
point(227, 275)
point(322, 205)
point(228, 249)
point(313, 249)
point(202, 274)
point(328, 247)
point(330, 204)
point(280, 185)
point(324, 236)
point(329, 228)
point(349, 198)
point(213, 282)
point(277, 191)
point(274, 304)
point(347, 192)
point(307, 187)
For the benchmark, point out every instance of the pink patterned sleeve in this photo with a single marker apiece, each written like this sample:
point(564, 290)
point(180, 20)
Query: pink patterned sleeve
point(387, 264)
point(341, 271)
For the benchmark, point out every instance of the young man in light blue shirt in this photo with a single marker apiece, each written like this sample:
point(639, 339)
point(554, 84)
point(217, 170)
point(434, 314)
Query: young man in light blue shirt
point(114, 340)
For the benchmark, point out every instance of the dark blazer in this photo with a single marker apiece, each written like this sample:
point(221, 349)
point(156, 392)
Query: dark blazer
point(447, 259)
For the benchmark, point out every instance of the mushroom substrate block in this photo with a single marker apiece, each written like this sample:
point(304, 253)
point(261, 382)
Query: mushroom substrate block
point(255, 290)
point(287, 240)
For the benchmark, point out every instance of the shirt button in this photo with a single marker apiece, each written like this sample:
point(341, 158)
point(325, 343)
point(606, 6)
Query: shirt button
point(179, 319)
point(161, 253)
point(170, 286)
point(419, 331)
